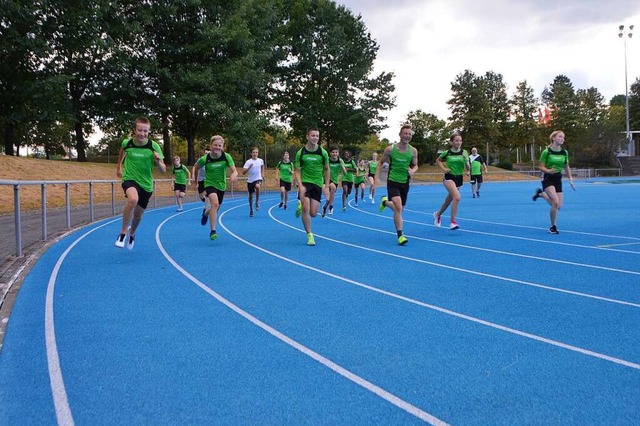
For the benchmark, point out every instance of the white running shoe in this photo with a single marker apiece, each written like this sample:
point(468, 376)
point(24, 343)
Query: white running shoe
point(437, 220)
point(122, 239)
point(130, 240)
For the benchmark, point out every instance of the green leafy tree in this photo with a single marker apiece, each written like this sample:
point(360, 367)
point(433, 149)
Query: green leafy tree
point(524, 108)
point(325, 76)
point(429, 132)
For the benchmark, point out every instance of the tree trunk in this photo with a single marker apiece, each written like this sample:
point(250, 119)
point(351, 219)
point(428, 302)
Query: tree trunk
point(166, 139)
point(80, 143)
point(9, 139)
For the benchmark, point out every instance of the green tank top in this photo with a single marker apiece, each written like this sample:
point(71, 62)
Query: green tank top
point(555, 160)
point(216, 170)
point(399, 164)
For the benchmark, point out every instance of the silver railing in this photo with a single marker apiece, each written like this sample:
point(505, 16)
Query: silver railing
point(18, 186)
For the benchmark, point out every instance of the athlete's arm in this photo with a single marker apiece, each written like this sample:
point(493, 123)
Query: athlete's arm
point(121, 155)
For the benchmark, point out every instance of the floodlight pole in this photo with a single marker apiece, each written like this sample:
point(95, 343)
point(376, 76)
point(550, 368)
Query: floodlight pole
point(628, 32)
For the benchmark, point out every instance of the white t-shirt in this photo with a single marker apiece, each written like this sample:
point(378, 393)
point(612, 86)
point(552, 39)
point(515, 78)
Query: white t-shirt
point(255, 172)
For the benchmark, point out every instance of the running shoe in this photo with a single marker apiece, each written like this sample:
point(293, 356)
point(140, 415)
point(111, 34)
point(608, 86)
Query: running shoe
point(213, 235)
point(250, 214)
point(324, 209)
point(344, 209)
point(205, 217)
point(454, 226)
point(130, 243)
point(120, 241)
point(257, 207)
point(437, 220)
point(285, 206)
point(373, 201)
point(299, 209)
point(402, 240)
point(179, 210)
point(371, 197)
point(310, 240)
point(473, 195)
point(330, 209)
point(554, 230)
point(383, 203)
point(478, 194)
point(537, 194)
point(280, 205)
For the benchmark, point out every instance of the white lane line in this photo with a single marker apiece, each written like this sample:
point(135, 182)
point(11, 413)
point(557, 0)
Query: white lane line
point(60, 399)
point(513, 237)
point(389, 397)
point(535, 337)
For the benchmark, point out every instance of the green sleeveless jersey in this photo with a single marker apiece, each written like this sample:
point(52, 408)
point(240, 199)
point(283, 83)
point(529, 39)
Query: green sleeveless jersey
point(399, 164)
point(555, 160)
point(362, 173)
point(476, 164)
point(216, 170)
point(335, 169)
point(373, 166)
point(351, 169)
point(285, 170)
point(180, 174)
point(311, 165)
point(139, 161)
point(455, 161)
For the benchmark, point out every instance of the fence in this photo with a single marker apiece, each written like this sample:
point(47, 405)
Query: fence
point(92, 200)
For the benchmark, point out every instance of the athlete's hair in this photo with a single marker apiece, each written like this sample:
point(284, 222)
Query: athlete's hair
point(312, 129)
point(216, 137)
point(176, 157)
point(254, 148)
point(142, 120)
point(554, 134)
point(453, 136)
point(334, 148)
point(405, 126)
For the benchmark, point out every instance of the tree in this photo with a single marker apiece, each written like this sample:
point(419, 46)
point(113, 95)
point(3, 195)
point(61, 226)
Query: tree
point(325, 76)
point(429, 132)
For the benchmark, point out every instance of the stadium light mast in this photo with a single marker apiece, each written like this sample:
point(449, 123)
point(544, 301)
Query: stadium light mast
point(624, 34)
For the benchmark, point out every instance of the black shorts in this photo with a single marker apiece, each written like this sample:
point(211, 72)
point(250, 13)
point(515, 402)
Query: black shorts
point(251, 186)
point(554, 180)
point(313, 191)
point(143, 196)
point(456, 178)
point(285, 185)
point(476, 178)
point(372, 175)
point(200, 186)
point(349, 185)
point(396, 189)
point(180, 187)
point(213, 190)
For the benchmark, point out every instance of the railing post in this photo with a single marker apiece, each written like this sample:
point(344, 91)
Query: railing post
point(16, 205)
point(43, 202)
point(67, 204)
point(91, 215)
point(113, 198)
point(155, 192)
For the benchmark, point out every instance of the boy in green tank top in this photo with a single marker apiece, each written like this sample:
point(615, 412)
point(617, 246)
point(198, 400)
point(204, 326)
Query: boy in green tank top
point(284, 173)
point(312, 174)
point(215, 164)
point(140, 154)
point(336, 168)
point(181, 176)
point(403, 163)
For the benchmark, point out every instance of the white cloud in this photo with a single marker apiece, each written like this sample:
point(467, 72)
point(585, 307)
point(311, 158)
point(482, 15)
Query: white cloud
point(427, 43)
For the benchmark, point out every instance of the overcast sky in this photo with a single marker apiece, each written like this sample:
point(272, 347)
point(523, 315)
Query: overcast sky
point(427, 43)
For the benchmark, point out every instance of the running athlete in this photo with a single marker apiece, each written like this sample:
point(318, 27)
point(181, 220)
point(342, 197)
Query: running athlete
point(477, 166)
point(284, 173)
point(255, 167)
point(215, 164)
point(181, 176)
point(552, 161)
point(201, 192)
point(453, 162)
point(403, 163)
point(359, 179)
point(311, 172)
point(141, 154)
point(373, 165)
point(336, 168)
point(347, 178)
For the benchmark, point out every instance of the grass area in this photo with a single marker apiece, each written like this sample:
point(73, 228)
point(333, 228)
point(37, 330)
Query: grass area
point(31, 169)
